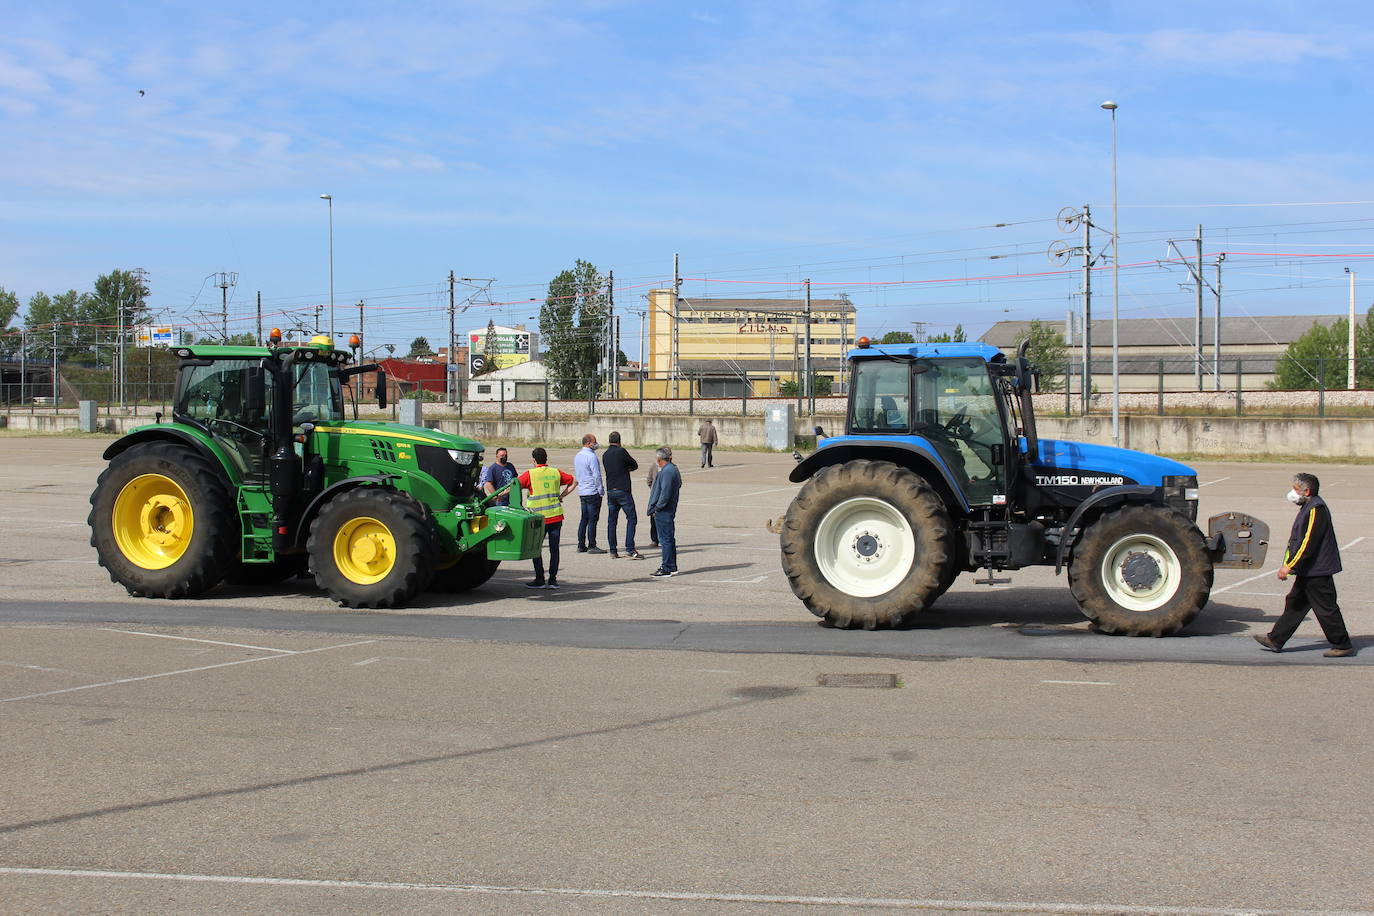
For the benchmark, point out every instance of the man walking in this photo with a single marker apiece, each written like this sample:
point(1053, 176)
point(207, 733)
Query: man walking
point(1313, 558)
point(619, 464)
point(495, 476)
point(591, 489)
point(707, 435)
point(662, 509)
point(544, 484)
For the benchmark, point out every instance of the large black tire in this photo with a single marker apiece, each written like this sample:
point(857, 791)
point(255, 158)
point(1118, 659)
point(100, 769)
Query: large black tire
point(372, 547)
point(1141, 571)
point(468, 572)
point(866, 543)
point(162, 521)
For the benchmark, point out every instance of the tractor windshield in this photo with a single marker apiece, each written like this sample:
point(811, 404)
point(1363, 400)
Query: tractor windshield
point(319, 394)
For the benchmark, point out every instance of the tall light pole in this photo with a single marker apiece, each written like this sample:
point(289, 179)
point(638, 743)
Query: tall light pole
point(331, 265)
point(1350, 384)
point(1116, 294)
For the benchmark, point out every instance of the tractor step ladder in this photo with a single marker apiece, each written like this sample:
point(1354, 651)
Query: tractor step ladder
point(989, 554)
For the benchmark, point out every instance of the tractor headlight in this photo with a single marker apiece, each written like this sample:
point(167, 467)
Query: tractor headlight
point(461, 457)
point(1181, 493)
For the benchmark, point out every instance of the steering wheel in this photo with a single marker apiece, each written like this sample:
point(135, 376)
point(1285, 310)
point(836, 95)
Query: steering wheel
point(960, 419)
point(236, 425)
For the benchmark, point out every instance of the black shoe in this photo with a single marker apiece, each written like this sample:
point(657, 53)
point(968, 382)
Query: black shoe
point(553, 583)
point(594, 549)
point(537, 583)
point(614, 555)
point(1267, 644)
point(635, 555)
point(1339, 653)
point(660, 574)
point(581, 549)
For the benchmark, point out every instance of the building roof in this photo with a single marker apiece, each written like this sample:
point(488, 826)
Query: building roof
point(1272, 330)
point(790, 306)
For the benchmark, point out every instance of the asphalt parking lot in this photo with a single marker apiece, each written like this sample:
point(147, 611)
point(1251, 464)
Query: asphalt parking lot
point(641, 746)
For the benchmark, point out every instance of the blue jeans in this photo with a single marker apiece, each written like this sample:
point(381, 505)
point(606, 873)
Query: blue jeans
point(586, 526)
point(667, 540)
point(551, 533)
point(615, 501)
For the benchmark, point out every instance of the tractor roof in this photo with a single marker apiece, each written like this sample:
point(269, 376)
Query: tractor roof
point(320, 343)
point(983, 351)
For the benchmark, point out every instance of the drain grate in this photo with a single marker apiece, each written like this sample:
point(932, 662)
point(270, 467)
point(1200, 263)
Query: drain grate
point(859, 680)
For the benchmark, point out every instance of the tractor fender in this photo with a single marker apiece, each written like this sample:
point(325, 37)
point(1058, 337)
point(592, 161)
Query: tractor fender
point(302, 532)
point(903, 454)
point(1105, 497)
point(207, 447)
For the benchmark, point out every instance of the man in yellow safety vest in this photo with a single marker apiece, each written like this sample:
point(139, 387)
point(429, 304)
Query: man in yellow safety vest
point(544, 484)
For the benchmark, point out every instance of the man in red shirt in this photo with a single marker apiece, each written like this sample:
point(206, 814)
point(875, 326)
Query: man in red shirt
point(544, 484)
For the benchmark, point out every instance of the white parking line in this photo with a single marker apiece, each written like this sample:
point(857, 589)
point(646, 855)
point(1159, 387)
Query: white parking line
point(213, 642)
point(885, 903)
point(1210, 482)
point(1084, 683)
point(150, 677)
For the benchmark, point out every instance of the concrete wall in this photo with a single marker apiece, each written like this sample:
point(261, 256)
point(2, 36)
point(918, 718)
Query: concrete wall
point(1279, 438)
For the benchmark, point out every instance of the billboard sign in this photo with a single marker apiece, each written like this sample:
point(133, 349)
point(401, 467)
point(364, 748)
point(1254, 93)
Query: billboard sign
point(147, 335)
point(511, 349)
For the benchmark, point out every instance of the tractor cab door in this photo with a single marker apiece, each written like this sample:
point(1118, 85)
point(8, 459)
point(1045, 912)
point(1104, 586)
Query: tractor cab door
point(216, 398)
point(957, 410)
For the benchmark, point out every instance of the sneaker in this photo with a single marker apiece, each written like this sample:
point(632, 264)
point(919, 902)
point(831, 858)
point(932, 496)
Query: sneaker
point(660, 574)
point(553, 583)
point(1339, 653)
point(594, 550)
point(537, 583)
point(614, 555)
point(1267, 644)
point(581, 549)
point(635, 555)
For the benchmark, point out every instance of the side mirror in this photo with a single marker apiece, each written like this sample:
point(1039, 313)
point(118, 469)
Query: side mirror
point(254, 390)
point(381, 389)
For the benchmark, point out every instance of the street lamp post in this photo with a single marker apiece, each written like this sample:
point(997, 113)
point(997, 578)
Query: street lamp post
point(331, 265)
point(1116, 294)
point(1350, 382)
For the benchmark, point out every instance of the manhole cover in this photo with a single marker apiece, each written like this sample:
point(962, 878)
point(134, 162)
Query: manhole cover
point(858, 680)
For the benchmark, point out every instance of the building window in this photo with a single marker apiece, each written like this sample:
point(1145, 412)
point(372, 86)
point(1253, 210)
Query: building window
point(484, 389)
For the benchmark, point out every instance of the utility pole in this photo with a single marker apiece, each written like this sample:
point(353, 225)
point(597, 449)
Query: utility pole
point(360, 328)
point(1197, 323)
point(259, 317)
point(23, 364)
point(449, 380)
point(1350, 384)
point(673, 343)
point(119, 344)
point(1086, 379)
point(224, 283)
point(806, 368)
point(1216, 330)
point(54, 364)
point(611, 341)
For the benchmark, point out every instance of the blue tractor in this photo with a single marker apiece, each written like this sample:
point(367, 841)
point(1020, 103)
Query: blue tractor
point(940, 471)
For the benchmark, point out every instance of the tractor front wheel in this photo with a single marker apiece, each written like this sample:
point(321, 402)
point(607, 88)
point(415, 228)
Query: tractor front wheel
point(866, 543)
point(162, 523)
point(1141, 571)
point(466, 572)
point(372, 547)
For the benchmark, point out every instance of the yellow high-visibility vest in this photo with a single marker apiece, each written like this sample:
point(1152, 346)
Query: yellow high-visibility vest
point(544, 485)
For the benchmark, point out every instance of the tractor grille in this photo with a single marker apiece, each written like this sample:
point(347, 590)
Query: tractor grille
point(383, 450)
point(458, 480)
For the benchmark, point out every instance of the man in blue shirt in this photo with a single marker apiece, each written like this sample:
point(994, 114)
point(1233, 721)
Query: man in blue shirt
point(495, 476)
point(662, 509)
point(590, 488)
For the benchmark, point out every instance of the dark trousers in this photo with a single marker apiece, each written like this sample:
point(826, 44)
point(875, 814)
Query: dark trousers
point(586, 526)
point(615, 501)
point(551, 533)
point(667, 538)
point(706, 448)
point(1317, 594)
point(653, 530)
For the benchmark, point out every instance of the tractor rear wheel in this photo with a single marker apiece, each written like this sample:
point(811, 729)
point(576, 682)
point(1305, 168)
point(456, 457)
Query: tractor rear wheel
point(467, 572)
point(162, 522)
point(1141, 571)
point(372, 547)
point(866, 543)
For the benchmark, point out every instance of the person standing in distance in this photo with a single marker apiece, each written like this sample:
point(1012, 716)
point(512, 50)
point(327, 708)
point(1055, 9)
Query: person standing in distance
point(708, 437)
point(653, 526)
point(545, 497)
point(619, 464)
point(495, 476)
point(662, 509)
point(591, 489)
point(1313, 559)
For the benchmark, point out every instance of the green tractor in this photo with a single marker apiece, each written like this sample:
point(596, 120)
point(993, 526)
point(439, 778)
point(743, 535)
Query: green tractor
point(259, 477)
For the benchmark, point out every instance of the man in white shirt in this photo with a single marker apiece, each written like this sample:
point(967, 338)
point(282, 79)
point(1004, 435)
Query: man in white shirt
point(592, 491)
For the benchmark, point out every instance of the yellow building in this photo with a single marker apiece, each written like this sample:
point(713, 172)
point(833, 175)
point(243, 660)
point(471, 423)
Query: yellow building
point(727, 347)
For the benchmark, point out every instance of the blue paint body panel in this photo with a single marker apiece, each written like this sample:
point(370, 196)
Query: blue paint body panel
point(1143, 468)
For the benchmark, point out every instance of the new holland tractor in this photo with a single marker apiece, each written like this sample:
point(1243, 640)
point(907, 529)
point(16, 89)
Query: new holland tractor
point(259, 476)
point(940, 471)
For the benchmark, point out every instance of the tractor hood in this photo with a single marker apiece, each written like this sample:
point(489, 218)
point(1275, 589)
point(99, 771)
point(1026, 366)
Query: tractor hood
point(1107, 460)
point(400, 433)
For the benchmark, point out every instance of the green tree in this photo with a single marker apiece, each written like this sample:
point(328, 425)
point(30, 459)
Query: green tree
point(63, 310)
point(119, 291)
point(9, 307)
point(1048, 353)
point(1321, 356)
point(571, 323)
point(420, 348)
point(897, 337)
point(246, 339)
point(822, 385)
point(956, 336)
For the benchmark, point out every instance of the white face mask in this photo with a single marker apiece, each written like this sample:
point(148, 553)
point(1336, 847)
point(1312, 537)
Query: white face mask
point(1295, 498)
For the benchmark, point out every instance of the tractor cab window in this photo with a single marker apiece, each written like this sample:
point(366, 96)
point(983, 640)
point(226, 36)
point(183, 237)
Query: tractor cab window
point(956, 407)
point(319, 394)
point(213, 397)
point(882, 397)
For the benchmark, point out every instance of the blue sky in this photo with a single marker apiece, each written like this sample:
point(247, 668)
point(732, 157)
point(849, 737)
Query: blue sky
point(872, 147)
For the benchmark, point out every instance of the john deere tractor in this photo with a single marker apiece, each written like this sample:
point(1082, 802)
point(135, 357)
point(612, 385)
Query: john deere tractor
point(259, 476)
point(940, 471)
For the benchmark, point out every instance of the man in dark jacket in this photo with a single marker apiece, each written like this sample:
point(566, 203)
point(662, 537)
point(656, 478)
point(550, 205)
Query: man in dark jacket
point(1313, 559)
point(662, 509)
point(619, 464)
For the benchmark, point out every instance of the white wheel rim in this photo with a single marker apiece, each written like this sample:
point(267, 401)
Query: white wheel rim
point(864, 547)
point(1141, 573)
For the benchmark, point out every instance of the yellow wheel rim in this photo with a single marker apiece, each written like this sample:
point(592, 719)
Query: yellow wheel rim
point(364, 550)
point(153, 521)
